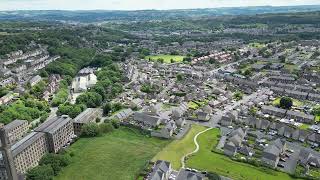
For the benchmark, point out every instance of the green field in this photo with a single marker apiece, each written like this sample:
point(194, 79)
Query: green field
point(178, 148)
point(121, 154)
point(295, 102)
point(209, 161)
point(166, 58)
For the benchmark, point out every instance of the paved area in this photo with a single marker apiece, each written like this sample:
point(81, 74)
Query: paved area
point(221, 143)
point(183, 132)
point(291, 162)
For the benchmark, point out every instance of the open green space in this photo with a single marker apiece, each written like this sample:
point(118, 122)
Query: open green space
point(257, 45)
point(178, 148)
point(121, 154)
point(304, 126)
point(166, 58)
point(210, 161)
point(295, 102)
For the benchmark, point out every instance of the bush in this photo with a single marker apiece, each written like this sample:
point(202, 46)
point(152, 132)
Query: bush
point(106, 127)
point(115, 123)
point(56, 161)
point(44, 172)
point(90, 130)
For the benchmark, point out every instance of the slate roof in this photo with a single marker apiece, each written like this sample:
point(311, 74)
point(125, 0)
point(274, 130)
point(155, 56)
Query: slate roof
point(160, 168)
point(187, 175)
point(53, 124)
point(25, 142)
point(146, 118)
point(14, 124)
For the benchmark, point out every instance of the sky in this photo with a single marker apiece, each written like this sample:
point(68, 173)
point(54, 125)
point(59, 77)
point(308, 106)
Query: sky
point(141, 4)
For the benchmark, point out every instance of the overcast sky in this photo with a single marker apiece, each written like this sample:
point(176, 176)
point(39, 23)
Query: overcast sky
point(140, 4)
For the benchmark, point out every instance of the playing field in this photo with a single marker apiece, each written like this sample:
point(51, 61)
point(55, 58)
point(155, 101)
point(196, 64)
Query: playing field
point(210, 161)
point(166, 58)
point(119, 155)
point(178, 148)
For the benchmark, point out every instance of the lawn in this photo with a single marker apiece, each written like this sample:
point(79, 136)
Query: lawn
point(193, 105)
point(304, 126)
point(119, 155)
point(209, 161)
point(178, 148)
point(257, 45)
point(166, 58)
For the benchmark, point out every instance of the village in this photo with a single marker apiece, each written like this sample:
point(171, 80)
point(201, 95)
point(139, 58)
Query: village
point(258, 104)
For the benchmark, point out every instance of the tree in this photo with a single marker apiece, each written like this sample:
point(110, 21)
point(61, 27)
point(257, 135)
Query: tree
point(44, 172)
point(90, 99)
point(238, 96)
point(247, 72)
point(286, 102)
point(56, 161)
point(90, 130)
point(187, 59)
point(107, 108)
point(282, 58)
point(179, 77)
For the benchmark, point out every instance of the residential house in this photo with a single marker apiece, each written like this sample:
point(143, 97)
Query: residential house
point(271, 153)
point(273, 111)
point(188, 175)
point(160, 171)
point(300, 117)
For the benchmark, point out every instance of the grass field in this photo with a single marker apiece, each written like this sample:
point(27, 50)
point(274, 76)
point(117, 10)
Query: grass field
point(119, 155)
point(178, 148)
point(166, 58)
point(304, 126)
point(209, 161)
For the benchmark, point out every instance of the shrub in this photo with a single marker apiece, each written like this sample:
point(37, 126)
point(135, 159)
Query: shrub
point(90, 130)
point(44, 172)
point(106, 127)
point(115, 123)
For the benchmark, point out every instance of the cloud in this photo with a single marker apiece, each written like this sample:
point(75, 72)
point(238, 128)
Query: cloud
point(140, 4)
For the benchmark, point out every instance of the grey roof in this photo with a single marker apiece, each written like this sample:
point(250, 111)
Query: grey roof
point(236, 140)
point(124, 114)
point(238, 132)
point(146, 118)
point(187, 175)
point(314, 137)
point(87, 115)
point(160, 168)
point(53, 124)
point(300, 115)
point(14, 124)
point(35, 79)
point(273, 109)
point(271, 153)
point(25, 142)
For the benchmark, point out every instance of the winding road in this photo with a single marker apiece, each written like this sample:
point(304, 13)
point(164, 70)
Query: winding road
point(197, 147)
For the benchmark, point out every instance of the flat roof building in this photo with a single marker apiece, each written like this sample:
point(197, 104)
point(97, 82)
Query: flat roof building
point(29, 150)
point(16, 130)
point(59, 132)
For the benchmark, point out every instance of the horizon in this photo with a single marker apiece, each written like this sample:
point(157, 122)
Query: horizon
point(126, 5)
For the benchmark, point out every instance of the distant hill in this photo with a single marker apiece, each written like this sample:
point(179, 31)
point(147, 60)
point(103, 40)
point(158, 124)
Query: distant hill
point(101, 15)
